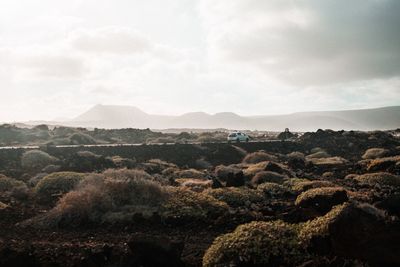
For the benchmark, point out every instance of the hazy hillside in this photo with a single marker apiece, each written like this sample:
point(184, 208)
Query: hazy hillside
point(125, 116)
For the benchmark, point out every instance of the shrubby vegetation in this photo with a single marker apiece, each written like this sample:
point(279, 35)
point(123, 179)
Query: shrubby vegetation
point(257, 244)
point(56, 184)
point(36, 160)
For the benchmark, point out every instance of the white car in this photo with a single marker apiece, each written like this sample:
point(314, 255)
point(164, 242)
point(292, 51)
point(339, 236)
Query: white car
point(238, 137)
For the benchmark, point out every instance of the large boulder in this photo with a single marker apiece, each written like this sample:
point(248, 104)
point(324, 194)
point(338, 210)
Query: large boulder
point(355, 231)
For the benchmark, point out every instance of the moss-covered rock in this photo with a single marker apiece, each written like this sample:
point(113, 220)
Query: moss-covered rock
point(383, 164)
point(257, 157)
point(378, 178)
point(185, 205)
point(268, 177)
point(374, 153)
point(256, 244)
point(272, 189)
point(301, 185)
point(321, 199)
point(355, 231)
point(237, 196)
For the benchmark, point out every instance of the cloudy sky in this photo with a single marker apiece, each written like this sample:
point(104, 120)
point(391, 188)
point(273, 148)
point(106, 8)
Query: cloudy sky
point(58, 58)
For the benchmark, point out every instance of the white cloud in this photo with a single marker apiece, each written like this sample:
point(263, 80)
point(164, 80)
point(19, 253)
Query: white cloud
point(306, 42)
point(110, 40)
point(247, 56)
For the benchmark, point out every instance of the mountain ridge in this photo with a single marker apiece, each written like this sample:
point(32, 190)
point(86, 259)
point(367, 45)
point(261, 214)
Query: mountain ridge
point(115, 116)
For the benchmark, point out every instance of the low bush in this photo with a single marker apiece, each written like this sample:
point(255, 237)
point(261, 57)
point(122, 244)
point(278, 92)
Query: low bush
point(189, 173)
point(272, 189)
point(8, 184)
point(322, 199)
point(185, 205)
point(383, 164)
point(329, 161)
point(236, 196)
point(257, 157)
point(380, 178)
point(374, 153)
point(196, 185)
point(257, 244)
point(81, 139)
point(36, 160)
point(318, 155)
point(13, 187)
point(54, 185)
point(301, 186)
point(156, 166)
point(253, 169)
point(105, 197)
point(268, 177)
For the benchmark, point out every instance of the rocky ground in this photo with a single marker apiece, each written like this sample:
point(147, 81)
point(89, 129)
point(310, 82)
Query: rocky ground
point(329, 199)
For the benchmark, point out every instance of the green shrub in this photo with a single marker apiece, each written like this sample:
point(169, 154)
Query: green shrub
point(301, 186)
point(322, 199)
point(374, 153)
point(115, 196)
point(186, 205)
point(256, 244)
point(318, 155)
point(382, 164)
point(56, 184)
point(3, 206)
point(8, 184)
point(12, 187)
point(272, 189)
point(236, 196)
point(81, 139)
point(268, 177)
point(190, 173)
point(329, 161)
point(380, 178)
point(36, 160)
point(257, 157)
point(319, 226)
point(253, 169)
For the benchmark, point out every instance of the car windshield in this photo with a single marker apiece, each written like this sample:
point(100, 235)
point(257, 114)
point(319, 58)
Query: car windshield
point(232, 135)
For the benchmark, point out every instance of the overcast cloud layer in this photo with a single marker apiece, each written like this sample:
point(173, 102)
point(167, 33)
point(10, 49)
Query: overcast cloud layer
point(58, 58)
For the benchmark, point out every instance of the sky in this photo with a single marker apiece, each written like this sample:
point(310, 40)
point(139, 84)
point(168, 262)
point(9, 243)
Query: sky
point(59, 58)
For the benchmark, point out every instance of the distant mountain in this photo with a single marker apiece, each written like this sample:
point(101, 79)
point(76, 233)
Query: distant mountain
point(106, 116)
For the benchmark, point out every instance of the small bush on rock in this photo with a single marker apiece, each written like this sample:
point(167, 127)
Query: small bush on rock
point(237, 196)
point(268, 177)
point(36, 160)
point(383, 164)
point(374, 153)
point(322, 199)
point(380, 178)
point(257, 157)
point(302, 186)
point(56, 184)
point(256, 244)
point(272, 189)
point(185, 205)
